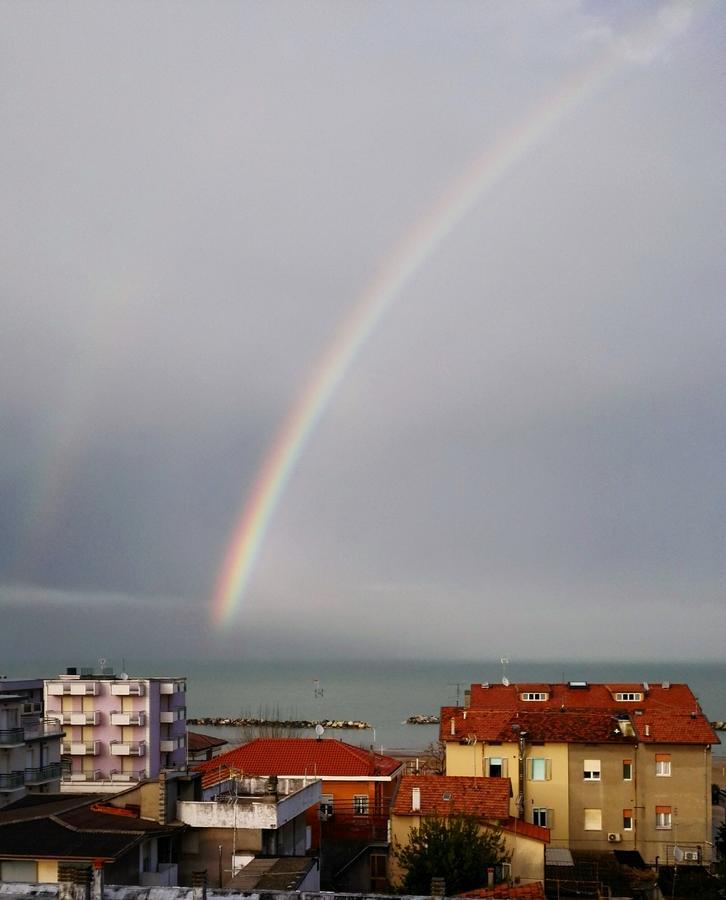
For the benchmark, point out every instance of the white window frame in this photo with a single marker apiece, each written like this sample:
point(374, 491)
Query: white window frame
point(664, 821)
point(629, 696)
point(544, 816)
point(628, 821)
point(360, 804)
point(663, 768)
point(591, 770)
point(497, 760)
point(539, 768)
point(629, 764)
point(535, 696)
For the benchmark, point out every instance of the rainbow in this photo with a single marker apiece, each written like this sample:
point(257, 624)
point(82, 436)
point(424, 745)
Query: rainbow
point(409, 256)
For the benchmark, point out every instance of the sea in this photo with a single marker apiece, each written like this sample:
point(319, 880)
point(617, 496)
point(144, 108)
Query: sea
point(384, 693)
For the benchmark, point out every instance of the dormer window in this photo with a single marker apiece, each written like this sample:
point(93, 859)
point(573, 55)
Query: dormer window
point(534, 695)
point(630, 696)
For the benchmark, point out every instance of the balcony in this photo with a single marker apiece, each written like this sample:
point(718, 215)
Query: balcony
point(172, 687)
point(41, 774)
point(167, 746)
point(12, 737)
point(127, 688)
point(128, 718)
point(97, 775)
point(43, 728)
point(128, 748)
point(168, 718)
point(77, 718)
point(81, 748)
point(73, 688)
point(11, 781)
point(128, 776)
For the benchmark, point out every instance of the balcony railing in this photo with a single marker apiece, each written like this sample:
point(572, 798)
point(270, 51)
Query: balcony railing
point(76, 718)
point(82, 748)
point(128, 776)
point(128, 748)
point(74, 688)
point(128, 718)
point(11, 781)
point(97, 775)
point(10, 737)
point(127, 688)
point(41, 774)
point(44, 728)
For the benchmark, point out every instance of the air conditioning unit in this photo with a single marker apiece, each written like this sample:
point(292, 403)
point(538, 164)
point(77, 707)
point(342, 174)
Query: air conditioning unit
point(690, 855)
point(614, 837)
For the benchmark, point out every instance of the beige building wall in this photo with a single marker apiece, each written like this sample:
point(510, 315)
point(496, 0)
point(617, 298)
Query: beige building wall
point(550, 792)
point(527, 854)
point(600, 795)
point(686, 791)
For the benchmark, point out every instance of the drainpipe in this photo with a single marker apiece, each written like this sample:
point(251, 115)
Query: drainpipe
point(521, 736)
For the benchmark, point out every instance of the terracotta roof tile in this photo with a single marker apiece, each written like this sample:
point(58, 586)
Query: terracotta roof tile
point(297, 757)
point(441, 795)
point(526, 829)
point(533, 891)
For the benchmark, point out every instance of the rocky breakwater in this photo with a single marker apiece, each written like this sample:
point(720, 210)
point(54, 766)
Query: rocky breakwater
point(422, 720)
point(302, 724)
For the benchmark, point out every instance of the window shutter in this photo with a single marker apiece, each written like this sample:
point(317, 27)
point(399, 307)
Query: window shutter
point(663, 810)
point(504, 767)
point(530, 769)
point(662, 757)
point(550, 818)
point(548, 769)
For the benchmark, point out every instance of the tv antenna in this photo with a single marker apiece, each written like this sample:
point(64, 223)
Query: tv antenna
point(504, 660)
point(318, 691)
point(458, 685)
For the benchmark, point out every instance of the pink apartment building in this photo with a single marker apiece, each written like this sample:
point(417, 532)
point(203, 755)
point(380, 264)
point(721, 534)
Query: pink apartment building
point(118, 728)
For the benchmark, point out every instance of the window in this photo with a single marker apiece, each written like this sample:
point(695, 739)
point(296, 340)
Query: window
point(534, 695)
point(496, 767)
point(627, 820)
point(631, 696)
point(627, 770)
point(543, 817)
point(539, 769)
point(360, 805)
point(591, 770)
point(593, 820)
point(326, 805)
point(663, 817)
point(663, 764)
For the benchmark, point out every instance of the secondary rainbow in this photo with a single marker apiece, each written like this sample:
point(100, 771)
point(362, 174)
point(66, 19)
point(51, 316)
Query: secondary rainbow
point(408, 258)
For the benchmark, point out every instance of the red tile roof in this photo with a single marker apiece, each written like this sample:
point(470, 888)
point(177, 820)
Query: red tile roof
point(298, 757)
point(526, 829)
point(579, 714)
point(198, 742)
point(533, 891)
point(441, 795)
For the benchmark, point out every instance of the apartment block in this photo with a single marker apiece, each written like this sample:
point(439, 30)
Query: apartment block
point(118, 728)
point(30, 747)
point(622, 766)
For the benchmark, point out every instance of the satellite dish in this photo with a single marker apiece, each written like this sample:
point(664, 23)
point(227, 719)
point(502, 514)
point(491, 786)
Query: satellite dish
point(319, 730)
point(677, 854)
point(505, 681)
point(123, 676)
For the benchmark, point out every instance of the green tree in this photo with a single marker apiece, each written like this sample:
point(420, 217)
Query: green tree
point(456, 849)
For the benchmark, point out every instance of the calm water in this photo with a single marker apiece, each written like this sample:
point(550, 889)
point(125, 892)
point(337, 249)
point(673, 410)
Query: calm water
point(385, 693)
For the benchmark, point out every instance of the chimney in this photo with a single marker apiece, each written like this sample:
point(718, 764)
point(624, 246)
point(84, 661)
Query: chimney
point(453, 725)
point(199, 885)
point(416, 799)
point(647, 730)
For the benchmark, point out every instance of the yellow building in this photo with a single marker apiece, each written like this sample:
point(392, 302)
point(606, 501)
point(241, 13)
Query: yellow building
point(487, 799)
point(619, 766)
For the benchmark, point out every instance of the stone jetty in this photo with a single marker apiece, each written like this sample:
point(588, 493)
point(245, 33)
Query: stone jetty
point(302, 724)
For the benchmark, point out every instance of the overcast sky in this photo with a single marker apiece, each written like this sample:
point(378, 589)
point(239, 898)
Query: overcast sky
point(526, 457)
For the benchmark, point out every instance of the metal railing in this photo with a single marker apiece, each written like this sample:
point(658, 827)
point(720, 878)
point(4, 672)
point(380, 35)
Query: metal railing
point(43, 729)
point(9, 781)
point(11, 736)
point(43, 773)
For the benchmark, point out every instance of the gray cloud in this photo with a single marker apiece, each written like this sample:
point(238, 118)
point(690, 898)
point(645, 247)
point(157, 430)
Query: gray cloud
point(191, 200)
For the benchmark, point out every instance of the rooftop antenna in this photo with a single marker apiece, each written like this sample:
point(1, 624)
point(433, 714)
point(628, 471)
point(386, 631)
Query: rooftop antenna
point(504, 660)
point(318, 691)
point(458, 685)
